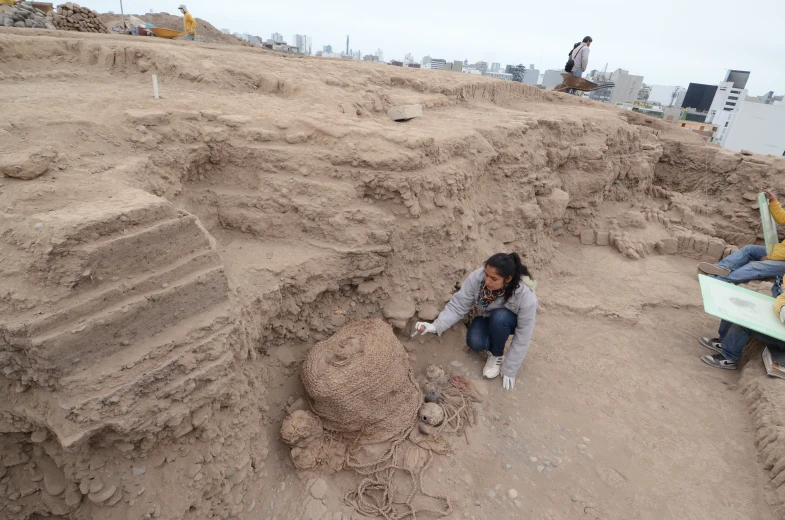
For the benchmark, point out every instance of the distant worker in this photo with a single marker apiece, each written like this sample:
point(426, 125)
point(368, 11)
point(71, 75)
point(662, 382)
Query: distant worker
point(733, 338)
point(190, 23)
point(501, 296)
point(579, 59)
point(751, 262)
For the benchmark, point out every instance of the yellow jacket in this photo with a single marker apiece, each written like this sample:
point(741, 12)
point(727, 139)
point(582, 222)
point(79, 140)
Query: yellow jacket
point(779, 303)
point(190, 28)
point(778, 253)
point(8, 2)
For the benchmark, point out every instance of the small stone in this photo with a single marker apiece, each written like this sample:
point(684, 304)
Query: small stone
point(575, 499)
point(138, 472)
point(586, 440)
point(39, 436)
point(102, 496)
point(556, 462)
point(591, 457)
point(123, 218)
point(319, 489)
point(38, 225)
point(517, 503)
point(581, 447)
point(532, 459)
point(508, 466)
point(96, 486)
point(512, 494)
point(491, 495)
point(540, 468)
point(404, 113)
point(456, 364)
point(546, 463)
point(477, 503)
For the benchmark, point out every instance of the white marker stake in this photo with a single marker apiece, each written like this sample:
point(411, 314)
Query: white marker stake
point(155, 85)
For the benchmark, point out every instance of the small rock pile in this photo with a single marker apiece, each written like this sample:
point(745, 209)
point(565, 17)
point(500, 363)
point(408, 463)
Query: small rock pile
point(25, 15)
point(72, 17)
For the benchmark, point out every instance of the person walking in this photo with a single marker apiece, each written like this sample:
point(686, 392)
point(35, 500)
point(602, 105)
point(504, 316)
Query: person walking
point(189, 22)
point(502, 298)
point(580, 57)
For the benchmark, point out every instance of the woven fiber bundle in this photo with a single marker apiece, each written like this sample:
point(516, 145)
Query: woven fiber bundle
point(360, 383)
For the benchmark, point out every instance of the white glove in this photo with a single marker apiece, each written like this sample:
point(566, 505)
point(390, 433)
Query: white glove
point(422, 327)
point(509, 383)
point(782, 315)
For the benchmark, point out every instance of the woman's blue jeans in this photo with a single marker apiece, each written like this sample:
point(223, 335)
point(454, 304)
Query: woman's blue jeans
point(491, 333)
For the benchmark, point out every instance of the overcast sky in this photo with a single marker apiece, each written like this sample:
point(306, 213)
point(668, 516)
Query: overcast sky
point(669, 42)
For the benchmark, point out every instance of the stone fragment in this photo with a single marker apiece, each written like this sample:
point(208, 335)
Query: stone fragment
point(103, 495)
point(399, 307)
point(603, 238)
point(319, 489)
point(670, 245)
point(588, 237)
point(513, 494)
point(314, 510)
point(39, 436)
point(405, 112)
point(147, 117)
point(27, 164)
point(746, 152)
point(554, 205)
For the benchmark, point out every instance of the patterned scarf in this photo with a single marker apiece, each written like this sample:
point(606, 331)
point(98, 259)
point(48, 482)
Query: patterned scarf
point(487, 296)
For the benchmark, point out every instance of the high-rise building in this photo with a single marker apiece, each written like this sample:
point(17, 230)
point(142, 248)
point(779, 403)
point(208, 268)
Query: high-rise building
point(496, 67)
point(531, 76)
point(436, 64)
point(328, 49)
point(426, 60)
point(347, 45)
point(757, 127)
point(408, 59)
point(482, 66)
point(277, 38)
point(302, 42)
point(625, 90)
point(380, 55)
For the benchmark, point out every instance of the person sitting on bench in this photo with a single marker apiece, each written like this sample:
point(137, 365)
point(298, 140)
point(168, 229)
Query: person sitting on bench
point(752, 262)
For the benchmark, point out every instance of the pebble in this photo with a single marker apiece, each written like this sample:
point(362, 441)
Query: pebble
point(540, 468)
point(456, 364)
point(591, 457)
point(512, 494)
point(123, 218)
point(532, 459)
point(508, 466)
point(517, 503)
point(491, 495)
point(96, 486)
point(138, 472)
point(319, 489)
point(39, 436)
point(38, 225)
point(575, 499)
point(556, 462)
point(477, 503)
point(498, 487)
point(581, 447)
point(586, 440)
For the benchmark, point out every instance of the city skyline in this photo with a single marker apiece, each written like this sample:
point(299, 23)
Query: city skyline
point(669, 42)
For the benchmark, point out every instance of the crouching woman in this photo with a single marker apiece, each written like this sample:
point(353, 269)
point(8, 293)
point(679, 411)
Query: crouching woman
point(501, 297)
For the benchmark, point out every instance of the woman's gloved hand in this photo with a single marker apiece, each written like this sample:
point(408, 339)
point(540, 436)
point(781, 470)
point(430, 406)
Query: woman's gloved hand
point(423, 328)
point(509, 383)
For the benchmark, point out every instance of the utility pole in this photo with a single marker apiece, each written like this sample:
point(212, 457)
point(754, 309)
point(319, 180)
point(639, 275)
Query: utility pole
point(122, 14)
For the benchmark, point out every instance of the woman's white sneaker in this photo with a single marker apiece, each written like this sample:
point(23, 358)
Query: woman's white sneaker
point(493, 367)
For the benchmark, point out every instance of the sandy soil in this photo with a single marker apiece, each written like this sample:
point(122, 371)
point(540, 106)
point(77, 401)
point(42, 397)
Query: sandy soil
point(176, 258)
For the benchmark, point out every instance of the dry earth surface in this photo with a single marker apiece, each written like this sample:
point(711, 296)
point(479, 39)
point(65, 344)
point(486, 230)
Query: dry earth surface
point(165, 265)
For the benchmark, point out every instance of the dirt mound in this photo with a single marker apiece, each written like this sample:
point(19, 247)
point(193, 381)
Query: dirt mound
point(206, 31)
point(174, 256)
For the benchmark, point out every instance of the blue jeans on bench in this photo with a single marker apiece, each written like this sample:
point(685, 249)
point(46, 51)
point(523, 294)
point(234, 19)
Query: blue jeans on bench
point(745, 265)
point(734, 337)
point(491, 333)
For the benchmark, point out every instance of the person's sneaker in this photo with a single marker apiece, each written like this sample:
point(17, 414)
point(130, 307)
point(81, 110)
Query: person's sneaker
point(707, 268)
point(713, 344)
point(719, 361)
point(493, 367)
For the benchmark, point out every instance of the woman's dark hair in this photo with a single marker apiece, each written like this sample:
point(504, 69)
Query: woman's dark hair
point(587, 39)
point(509, 265)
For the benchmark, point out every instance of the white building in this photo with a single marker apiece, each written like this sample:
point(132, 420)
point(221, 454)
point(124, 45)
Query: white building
point(499, 75)
point(436, 64)
point(758, 128)
point(726, 104)
point(302, 42)
point(471, 70)
point(551, 78)
point(531, 76)
point(667, 96)
point(408, 59)
point(380, 55)
point(277, 38)
point(496, 67)
point(626, 88)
